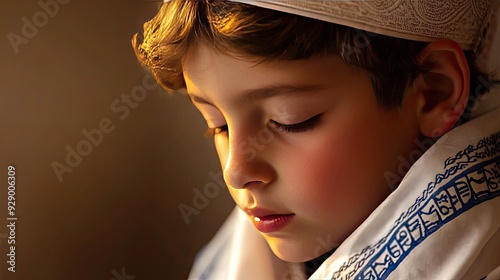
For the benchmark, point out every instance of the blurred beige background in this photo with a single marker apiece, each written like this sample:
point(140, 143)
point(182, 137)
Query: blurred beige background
point(118, 208)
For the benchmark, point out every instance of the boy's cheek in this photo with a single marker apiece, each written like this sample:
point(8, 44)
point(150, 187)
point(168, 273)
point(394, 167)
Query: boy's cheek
point(339, 172)
point(319, 178)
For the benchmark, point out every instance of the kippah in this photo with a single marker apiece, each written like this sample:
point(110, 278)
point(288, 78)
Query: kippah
point(421, 20)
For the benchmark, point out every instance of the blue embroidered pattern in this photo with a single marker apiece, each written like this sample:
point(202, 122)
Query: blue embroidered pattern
point(475, 184)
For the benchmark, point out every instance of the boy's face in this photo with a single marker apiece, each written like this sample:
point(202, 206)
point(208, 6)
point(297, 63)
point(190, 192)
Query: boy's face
point(308, 185)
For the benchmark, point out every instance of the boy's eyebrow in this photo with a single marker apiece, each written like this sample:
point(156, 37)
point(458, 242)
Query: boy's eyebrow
point(280, 90)
point(265, 92)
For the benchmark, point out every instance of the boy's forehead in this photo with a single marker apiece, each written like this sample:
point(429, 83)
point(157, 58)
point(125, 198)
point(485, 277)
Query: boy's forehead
point(197, 55)
point(203, 62)
point(203, 67)
point(201, 57)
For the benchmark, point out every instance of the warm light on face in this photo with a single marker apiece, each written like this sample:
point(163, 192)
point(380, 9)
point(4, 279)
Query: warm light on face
point(303, 144)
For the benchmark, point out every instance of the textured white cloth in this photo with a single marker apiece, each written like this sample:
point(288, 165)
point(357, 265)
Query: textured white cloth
point(459, 20)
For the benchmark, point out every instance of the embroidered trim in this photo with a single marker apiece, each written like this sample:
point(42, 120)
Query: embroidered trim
point(451, 197)
point(474, 186)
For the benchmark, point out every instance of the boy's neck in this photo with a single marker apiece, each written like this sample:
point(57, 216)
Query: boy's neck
point(312, 265)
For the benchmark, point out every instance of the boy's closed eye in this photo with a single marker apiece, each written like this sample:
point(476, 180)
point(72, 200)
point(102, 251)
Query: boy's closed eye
point(297, 127)
point(302, 126)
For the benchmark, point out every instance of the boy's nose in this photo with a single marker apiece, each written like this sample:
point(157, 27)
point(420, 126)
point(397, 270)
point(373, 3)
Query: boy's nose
point(246, 166)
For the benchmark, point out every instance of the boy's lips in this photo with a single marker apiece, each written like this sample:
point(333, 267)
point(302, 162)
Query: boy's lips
point(267, 221)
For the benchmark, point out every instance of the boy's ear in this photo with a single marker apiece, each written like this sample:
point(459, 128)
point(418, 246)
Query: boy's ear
point(443, 91)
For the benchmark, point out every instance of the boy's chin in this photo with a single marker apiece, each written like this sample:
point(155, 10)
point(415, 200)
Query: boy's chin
point(294, 251)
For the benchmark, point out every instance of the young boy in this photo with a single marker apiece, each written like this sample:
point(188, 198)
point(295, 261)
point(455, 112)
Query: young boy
point(342, 130)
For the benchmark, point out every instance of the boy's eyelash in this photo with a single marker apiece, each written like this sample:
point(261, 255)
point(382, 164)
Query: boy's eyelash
point(287, 128)
point(297, 127)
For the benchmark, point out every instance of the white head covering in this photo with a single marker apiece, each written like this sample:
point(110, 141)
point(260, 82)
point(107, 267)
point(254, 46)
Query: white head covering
point(459, 20)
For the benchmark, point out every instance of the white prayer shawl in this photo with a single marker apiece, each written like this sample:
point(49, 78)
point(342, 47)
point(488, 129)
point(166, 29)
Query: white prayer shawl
point(442, 222)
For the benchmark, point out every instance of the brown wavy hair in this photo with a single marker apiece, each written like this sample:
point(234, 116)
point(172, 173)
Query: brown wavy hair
point(241, 29)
